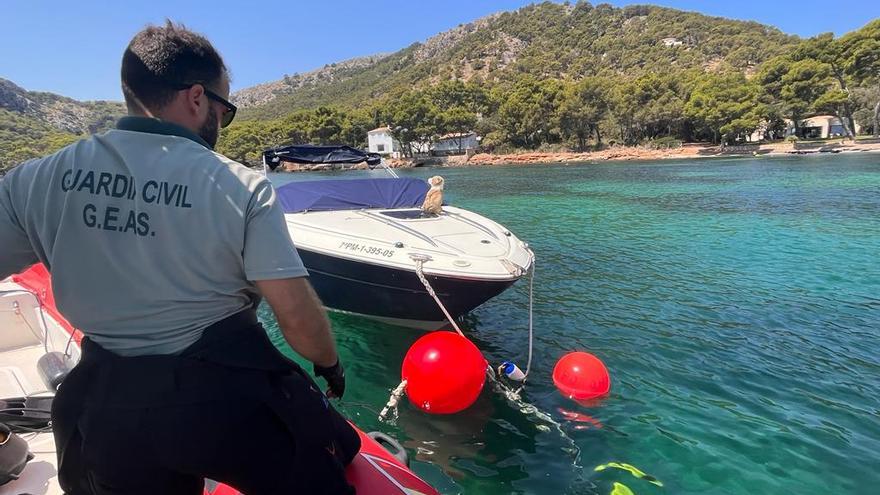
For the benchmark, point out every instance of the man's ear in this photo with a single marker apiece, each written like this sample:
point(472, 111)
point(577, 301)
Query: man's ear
point(194, 99)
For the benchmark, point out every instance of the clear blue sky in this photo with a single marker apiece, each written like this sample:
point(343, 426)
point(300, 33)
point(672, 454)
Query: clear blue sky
point(74, 48)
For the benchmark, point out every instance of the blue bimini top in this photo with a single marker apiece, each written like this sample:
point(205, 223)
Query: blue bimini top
point(352, 194)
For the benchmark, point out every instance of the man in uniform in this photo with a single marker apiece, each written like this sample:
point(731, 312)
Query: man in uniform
point(160, 249)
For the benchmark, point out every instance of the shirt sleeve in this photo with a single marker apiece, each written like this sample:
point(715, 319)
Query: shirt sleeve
point(269, 252)
point(16, 252)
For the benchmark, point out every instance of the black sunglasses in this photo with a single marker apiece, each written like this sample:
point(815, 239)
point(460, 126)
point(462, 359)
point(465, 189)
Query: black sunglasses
point(230, 108)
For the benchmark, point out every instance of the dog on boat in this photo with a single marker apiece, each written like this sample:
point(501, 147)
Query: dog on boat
point(433, 204)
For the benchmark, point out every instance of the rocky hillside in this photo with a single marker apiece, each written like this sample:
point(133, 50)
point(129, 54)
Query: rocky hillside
point(523, 65)
point(265, 93)
point(547, 40)
point(62, 113)
point(35, 123)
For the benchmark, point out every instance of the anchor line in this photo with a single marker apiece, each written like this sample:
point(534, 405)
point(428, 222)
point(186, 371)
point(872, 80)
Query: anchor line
point(513, 396)
point(509, 392)
point(419, 263)
point(396, 395)
point(531, 319)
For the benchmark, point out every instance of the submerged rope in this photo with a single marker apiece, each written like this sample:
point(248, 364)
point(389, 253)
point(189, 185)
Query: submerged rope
point(396, 395)
point(531, 312)
point(511, 394)
point(420, 261)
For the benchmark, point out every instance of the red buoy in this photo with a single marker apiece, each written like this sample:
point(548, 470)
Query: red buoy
point(444, 371)
point(581, 375)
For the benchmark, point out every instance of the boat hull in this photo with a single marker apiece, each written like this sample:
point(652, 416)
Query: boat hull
point(394, 295)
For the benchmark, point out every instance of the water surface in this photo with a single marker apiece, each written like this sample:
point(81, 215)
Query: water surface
point(736, 303)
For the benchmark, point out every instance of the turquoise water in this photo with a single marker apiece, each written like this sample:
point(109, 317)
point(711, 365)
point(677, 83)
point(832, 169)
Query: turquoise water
point(736, 303)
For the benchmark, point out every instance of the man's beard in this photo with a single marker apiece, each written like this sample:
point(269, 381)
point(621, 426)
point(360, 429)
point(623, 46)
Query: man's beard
point(210, 130)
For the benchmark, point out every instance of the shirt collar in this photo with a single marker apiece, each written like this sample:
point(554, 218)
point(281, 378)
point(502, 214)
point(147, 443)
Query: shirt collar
point(156, 126)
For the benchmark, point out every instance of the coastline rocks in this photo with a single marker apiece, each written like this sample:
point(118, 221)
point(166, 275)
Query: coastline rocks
point(616, 153)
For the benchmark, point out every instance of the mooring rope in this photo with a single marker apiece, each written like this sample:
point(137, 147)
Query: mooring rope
point(531, 312)
point(510, 393)
point(396, 395)
point(388, 169)
point(420, 261)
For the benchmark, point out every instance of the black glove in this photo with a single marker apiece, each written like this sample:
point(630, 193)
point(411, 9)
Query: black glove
point(335, 377)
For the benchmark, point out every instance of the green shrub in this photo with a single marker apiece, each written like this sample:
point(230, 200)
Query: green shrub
point(664, 143)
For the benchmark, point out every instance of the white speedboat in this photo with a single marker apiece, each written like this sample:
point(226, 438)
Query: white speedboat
point(364, 242)
point(38, 346)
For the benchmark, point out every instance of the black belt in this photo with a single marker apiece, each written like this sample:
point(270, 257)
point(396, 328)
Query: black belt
point(233, 355)
point(229, 353)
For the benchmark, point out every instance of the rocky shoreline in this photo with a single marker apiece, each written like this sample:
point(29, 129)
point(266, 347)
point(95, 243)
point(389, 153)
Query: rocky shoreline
point(622, 153)
point(617, 153)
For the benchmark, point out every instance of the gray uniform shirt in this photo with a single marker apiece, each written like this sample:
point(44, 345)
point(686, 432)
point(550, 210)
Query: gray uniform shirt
point(149, 235)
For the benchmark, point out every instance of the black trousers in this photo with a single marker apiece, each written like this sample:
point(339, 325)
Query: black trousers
point(230, 408)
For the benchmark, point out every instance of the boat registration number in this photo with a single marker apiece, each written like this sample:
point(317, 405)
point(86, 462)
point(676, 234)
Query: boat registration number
point(363, 248)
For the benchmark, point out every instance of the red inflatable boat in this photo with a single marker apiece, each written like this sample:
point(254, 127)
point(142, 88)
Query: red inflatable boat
point(31, 326)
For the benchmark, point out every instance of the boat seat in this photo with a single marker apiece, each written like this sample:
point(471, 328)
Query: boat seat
point(19, 326)
point(14, 333)
point(19, 378)
point(13, 383)
point(18, 374)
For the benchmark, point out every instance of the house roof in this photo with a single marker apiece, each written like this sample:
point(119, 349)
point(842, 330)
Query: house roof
point(816, 119)
point(380, 129)
point(456, 135)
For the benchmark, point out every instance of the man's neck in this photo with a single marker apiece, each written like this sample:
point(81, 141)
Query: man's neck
point(153, 125)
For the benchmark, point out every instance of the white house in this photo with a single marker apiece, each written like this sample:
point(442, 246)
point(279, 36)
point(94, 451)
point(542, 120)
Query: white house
point(453, 143)
point(380, 141)
point(819, 127)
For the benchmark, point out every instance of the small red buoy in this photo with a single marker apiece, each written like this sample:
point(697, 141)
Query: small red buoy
point(444, 373)
point(581, 375)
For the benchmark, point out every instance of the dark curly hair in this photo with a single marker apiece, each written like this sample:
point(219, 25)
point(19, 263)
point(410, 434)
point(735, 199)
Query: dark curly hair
point(160, 58)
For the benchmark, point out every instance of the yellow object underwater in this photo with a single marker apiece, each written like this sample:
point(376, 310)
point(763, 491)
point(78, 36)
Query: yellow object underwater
point(638, 473)
point(621, 489)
